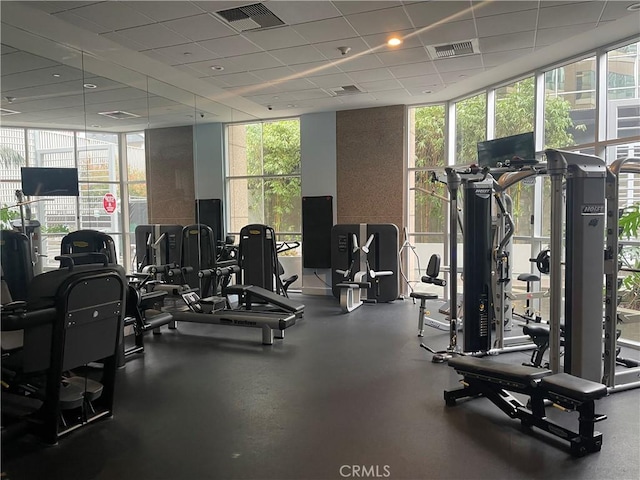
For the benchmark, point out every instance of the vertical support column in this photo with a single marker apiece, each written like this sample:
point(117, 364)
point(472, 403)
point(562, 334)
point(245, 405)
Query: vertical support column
point(453, 184)
point(611, 281)
point(557, 168)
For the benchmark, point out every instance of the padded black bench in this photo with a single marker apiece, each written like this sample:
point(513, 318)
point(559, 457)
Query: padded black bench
point(495, 380)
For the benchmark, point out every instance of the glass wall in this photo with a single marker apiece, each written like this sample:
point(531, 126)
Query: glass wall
point(471, 127)
point(263, 177)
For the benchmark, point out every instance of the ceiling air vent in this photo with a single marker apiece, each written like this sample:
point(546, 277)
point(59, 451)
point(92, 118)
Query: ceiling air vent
point(346, 90)
point(6, 111)
point(250, 17)
point(457, 49)
point(118, 115)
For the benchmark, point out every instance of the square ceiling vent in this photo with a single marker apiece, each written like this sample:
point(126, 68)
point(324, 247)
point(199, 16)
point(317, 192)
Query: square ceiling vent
point(250, 17)
point(456, 49)
point(345, 90)
point(118, 115)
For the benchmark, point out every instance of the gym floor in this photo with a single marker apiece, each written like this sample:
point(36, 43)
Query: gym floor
point(342, 390)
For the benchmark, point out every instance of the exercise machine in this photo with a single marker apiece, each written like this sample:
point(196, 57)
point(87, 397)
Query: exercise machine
point(71, 317)
point(364, 270)
point(495, 381)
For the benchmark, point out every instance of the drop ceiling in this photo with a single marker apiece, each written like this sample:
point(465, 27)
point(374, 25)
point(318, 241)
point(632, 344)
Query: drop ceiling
point(154, 59)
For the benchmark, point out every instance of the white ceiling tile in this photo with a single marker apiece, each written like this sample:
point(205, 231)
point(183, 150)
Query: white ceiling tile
point(200, 27)
point(450, 32)
point(360, 62)
point(293, 12)
point(348, 8)
point(380, 85)
point(7, 49)
point(297, 55)
point(239, 79)
point(328, 102)
point(42, 76)
point(616, 10)
point(586, 12)
point(550, 36)
point(401, 57)
point(291, 85)
point(454, 77)
point(98, 96)
point(330, 49)
point(498, 58)
point(277, 73)
point(460, 63)
point(275, 38)
point(186, 53)
point(419, 92)
point(268, 99)
point(73, 19)
point(387, 20)
point(112, 15)
point(326, 30)
point(413, 69)
point(165, 10)
point(482, 8)
point(124, 41)
point(23, 61)
point(230, 46)
point(204, 68)
point(507, 23)
point(310, 94)
point(255, 61)
point(511, 41)
point(372, 75)
point(54, 6)
point(428, 13)
point(313, 69)
point(153, 36)
point(331, 81)
point(421, 82)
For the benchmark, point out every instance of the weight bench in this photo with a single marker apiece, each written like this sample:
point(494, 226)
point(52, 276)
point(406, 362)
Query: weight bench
point(495, 380)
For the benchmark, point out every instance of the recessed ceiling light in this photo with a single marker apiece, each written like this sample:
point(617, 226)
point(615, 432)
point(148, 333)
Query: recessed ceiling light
point(394, 42)
point(187, 54)
point(56, 75)
point(96, 126)
point(90, 85)
point(218, 68)
point(426, 91)
point(634, 7)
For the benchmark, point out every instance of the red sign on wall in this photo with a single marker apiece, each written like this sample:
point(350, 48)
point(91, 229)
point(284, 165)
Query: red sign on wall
point(109, 203)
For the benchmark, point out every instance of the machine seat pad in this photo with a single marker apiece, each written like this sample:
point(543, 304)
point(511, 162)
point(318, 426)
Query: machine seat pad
point(536, 329)
point(354, 285)
point(528, 277)
point(423, 295)
point(500, 371)
point(157, 320)
point(573, 387)
point(237, 289)
point(71, 396)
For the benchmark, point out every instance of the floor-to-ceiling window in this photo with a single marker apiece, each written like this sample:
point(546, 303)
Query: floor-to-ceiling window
point(101, 180)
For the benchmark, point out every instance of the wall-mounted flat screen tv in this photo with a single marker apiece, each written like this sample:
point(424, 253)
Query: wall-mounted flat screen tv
point(50, 182)
point(501, 150)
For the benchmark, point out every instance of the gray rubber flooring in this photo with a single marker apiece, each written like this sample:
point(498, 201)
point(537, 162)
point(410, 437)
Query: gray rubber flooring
point(340, 393)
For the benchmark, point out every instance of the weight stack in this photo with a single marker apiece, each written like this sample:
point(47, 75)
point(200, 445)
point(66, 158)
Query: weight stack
point(478, 311)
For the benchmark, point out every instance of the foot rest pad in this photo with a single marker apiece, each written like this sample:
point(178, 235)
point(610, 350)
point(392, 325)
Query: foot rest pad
point(574, 388)
point(91, 389)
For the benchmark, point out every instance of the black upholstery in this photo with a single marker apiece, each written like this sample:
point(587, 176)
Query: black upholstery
point(88, 241)
point(17, 270)
point(573, 387)
point(501, 371)
point(433, 268)
point(528, 277)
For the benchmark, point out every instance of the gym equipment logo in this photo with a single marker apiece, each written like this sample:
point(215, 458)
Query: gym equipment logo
point(365, 471)
point(590, 209)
